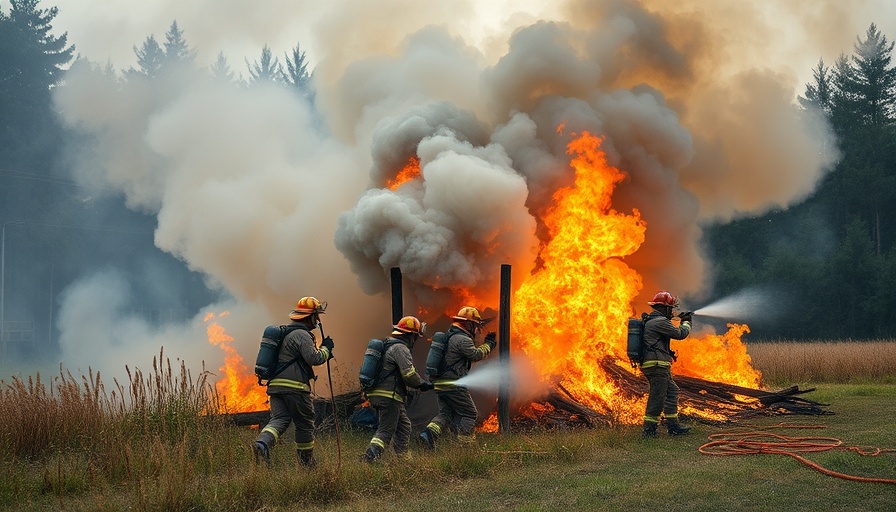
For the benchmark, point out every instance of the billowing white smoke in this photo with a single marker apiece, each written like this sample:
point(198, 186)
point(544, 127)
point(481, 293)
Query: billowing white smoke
point(270, 205)
point(453, 230)
point(245, 189)
point(696, 146)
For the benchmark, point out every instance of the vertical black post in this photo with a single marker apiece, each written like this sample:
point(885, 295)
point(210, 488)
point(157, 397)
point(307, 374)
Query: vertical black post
point(397, 301)
point(504, 355)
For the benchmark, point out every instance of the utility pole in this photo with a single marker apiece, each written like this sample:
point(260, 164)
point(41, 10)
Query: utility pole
point(3, 340)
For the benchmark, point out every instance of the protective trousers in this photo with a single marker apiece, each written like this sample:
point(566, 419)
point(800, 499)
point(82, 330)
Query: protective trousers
point(663, 395)
point(297, 408)
point(394, 426)
point(456, 408)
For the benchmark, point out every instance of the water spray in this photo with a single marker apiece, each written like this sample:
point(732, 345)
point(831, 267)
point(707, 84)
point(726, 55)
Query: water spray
point(749, 304)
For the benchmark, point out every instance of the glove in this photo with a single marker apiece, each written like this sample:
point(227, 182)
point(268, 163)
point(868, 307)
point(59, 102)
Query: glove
point(426, 386)
point(328, 342)
point(686, 316)
point(490, 340)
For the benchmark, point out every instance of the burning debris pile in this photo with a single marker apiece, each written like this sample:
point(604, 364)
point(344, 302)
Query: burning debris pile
point(570, 320)
point(706, 402)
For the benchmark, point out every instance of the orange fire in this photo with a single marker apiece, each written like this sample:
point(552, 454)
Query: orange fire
point(410, 171)
point(238, 388)
point(577, 304)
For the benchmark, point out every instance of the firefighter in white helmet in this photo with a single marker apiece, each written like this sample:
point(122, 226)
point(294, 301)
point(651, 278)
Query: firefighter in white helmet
point(290, 391)
point(387, 398)
point(662, 398)
point(456, 406)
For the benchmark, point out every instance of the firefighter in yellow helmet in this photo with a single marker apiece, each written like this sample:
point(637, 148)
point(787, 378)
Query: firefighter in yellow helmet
point(387, 398)
point(456, 406)
point(662, 397)
point(290, 390)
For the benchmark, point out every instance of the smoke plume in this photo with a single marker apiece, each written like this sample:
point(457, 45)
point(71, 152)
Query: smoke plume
point(273, 198)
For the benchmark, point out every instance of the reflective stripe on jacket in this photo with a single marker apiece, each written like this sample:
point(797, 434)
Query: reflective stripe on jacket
point(298, 346)
point(658, 332)
point(398, 372)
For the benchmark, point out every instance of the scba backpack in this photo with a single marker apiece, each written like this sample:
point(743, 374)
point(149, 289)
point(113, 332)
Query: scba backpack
point(266, 363)
point(635, 343)
point(435, 359)
point(372, 365)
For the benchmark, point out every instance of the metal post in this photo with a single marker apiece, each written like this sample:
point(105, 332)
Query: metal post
point(397, 300)
point(504, 355)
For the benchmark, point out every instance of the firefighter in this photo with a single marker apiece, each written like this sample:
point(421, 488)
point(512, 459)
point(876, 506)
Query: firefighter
point(456, 407)
point(662, 398)
point(387, 398)
point(290, 391)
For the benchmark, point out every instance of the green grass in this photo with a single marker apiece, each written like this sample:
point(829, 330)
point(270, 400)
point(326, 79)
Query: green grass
point(602, 469)
point(153, 449)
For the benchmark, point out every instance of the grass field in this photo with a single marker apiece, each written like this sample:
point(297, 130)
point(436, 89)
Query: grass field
point(836, 361)
point(75, 446)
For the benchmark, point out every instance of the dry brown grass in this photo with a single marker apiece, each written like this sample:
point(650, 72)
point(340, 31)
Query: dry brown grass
point(844, 362)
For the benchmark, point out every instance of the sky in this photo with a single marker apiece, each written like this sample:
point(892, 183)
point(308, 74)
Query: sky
point(273, 200)
point(790, 36)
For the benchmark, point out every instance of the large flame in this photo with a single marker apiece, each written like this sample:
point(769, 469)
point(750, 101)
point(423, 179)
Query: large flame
point(573, 311)
point(237, 388)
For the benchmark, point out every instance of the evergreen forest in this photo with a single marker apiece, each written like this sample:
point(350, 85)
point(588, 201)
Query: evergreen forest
point(833, 255)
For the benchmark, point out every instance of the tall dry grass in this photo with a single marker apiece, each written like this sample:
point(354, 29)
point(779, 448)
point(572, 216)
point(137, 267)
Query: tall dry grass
point(843, 362)
point(150, 435)
point(151, 444)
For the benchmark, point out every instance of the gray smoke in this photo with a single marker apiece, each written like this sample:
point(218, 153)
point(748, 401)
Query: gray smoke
point(249, 190)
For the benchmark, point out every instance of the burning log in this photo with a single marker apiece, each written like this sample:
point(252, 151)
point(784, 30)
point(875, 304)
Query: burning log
point(719, 400)
point(732, 401)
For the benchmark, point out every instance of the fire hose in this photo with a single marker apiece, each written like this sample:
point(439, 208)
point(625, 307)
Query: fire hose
point(758, 442)
point(333, 402)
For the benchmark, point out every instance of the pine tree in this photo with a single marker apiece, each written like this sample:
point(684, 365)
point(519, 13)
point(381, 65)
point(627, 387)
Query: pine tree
point(265, 70)
point(149, 58)
point(32, 62)
point(874, 79)
point(297, 74)
point(177, 52)
point(31, 59)
point(220, 70)
point(819, 94)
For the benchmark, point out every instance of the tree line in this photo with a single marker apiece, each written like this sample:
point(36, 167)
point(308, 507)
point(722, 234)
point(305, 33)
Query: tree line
point(831, 260)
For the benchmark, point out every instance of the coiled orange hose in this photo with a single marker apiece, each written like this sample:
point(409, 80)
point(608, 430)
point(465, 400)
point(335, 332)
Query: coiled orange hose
point(759, 441)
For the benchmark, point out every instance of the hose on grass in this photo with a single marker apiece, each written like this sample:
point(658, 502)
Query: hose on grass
point(755, 442)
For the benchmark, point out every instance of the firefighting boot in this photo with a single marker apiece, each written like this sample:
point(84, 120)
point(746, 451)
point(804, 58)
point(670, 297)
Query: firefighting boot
point(677, 429)
point(306, 458)
point(428, 438)
point(261, 453)
point(649, 430)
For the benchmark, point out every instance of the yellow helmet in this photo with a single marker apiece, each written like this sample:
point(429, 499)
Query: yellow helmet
point(469, 313)
point(307, 306)
point(409, 325)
